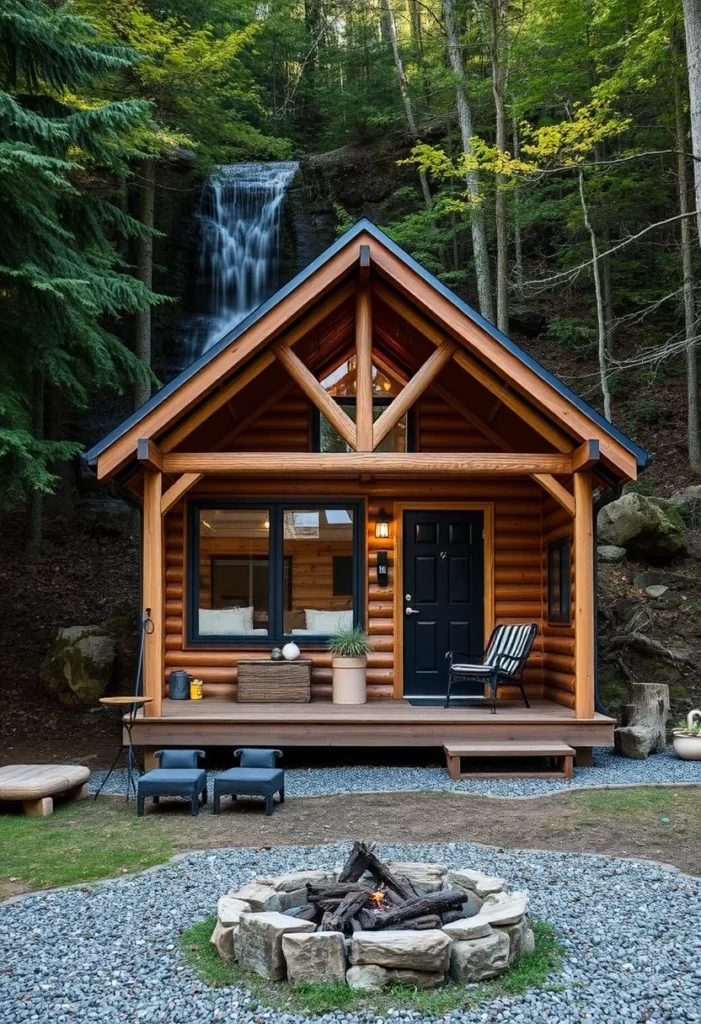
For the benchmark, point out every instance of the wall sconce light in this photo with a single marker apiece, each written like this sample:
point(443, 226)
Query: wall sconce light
point(382, 525)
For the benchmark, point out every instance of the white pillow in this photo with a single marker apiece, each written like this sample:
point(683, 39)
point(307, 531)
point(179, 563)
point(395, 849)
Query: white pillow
point(222, 622)
point(247, 616)
point(325, 623)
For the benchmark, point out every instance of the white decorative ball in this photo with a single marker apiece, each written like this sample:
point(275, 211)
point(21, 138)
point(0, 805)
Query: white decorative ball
point(290, 652)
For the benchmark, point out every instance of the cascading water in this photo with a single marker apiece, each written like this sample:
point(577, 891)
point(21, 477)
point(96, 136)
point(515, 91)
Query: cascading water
point(240, 231)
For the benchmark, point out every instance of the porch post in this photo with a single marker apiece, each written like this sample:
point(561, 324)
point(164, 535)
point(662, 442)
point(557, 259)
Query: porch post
point(584, 617)
point(153, 590)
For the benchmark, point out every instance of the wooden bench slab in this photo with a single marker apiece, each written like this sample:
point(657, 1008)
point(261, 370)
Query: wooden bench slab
point(34, 785)
point(561, 753)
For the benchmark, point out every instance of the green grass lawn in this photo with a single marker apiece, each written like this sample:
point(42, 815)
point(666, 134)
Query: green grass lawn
point(78, 843)
point(532, 971)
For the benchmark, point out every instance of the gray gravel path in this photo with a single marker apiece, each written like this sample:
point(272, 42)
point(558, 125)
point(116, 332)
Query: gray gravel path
point(109, 953)
point(608, 770)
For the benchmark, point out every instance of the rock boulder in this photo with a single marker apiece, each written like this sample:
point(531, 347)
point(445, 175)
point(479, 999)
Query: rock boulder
point(409, 950)
point(79, 665)
point(479, 959)
point(259, 942)
point(642, 525)
point(316, 957)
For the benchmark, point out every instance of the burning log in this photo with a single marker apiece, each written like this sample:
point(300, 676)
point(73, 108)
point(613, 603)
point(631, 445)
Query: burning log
point(434, 903)
point(347, 909)
point(363, 859)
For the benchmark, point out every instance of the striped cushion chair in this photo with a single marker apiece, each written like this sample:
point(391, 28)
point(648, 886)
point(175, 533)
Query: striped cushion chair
point(502, 665)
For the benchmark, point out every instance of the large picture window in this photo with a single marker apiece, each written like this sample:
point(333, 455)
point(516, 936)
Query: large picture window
point(263, 573)
point(559, 585)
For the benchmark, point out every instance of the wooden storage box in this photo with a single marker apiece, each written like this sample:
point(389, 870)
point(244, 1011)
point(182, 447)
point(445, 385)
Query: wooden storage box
point(278, 682)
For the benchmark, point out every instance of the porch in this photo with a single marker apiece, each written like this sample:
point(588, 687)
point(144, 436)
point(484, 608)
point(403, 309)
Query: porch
point(220, 722)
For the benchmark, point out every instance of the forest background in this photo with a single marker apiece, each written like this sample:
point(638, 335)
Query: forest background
point(552, 171)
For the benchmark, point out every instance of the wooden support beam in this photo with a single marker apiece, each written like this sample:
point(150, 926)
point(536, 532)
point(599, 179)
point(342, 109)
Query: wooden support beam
point(153, 591)
point(315, 393)
point(556, 490)
point(149, 455)
point(217, 400)
point(412, 391)
point(178, 490)
point(363, 363)
point(586, 456)
point(584, 615)
point(475, 368)
point(354, 463)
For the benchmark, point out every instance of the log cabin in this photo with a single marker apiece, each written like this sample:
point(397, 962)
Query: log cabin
point(364, 436)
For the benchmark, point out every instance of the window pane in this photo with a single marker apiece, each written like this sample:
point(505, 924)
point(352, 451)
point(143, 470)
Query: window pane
point(331, 441)
point(343, 381)
point(234, 572)
point(318, 550)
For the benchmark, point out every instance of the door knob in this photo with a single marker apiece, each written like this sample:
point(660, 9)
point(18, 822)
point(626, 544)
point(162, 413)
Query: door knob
point(412, 611)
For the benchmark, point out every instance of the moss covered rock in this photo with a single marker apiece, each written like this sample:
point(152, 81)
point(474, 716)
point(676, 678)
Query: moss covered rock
point(643, 526)
point(78, 667)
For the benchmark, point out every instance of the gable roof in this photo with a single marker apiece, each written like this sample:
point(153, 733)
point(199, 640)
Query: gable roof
point(366, 227)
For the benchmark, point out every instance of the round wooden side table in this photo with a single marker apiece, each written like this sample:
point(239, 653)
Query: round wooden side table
point(134, 703)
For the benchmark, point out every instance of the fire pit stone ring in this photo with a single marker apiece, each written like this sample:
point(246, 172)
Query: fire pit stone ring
point(370, 924)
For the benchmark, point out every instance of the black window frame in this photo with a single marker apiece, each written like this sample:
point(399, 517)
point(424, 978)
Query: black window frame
point(384, 400)
point(276, 579)
point(562, 546)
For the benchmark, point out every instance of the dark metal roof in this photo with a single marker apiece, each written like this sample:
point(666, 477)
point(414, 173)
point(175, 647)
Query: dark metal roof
point(367, 226)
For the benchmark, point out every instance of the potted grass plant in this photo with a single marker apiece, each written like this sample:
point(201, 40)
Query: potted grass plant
point(349, 648)
point(687, 737)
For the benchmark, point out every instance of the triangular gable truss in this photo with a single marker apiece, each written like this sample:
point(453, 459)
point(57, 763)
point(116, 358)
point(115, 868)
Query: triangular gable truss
point(395, 282)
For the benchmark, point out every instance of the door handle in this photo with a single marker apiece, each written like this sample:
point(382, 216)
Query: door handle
point(412, 611)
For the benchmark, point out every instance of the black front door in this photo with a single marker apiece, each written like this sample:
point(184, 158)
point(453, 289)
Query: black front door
point(443, 599)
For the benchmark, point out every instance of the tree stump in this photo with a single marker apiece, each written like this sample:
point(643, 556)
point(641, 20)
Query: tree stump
point(644, 729)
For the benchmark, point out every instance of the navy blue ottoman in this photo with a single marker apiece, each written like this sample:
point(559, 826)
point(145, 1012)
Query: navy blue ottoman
point(177, 776)
point(256, 776)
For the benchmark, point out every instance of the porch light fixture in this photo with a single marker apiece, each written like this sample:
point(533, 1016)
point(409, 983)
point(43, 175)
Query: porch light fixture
point(382, 525)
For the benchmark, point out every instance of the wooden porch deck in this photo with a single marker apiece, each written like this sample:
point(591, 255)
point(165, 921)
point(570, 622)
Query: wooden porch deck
point(218, 722)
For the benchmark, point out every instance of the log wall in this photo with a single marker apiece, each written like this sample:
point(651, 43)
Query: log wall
point(521, 513)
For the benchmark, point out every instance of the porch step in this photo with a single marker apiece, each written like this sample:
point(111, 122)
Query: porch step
point(561, 753)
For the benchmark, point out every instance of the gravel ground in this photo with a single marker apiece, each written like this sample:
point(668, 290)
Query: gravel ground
point(109, 953)
point(608, 770)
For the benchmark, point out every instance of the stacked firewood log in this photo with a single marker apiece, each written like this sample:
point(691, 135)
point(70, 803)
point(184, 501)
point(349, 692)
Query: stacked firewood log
point(367, 896)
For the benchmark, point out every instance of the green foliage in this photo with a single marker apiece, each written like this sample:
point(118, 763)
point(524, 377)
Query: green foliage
point(59, 271)
point(571, 333)
point(350, 643)
point(532, 971)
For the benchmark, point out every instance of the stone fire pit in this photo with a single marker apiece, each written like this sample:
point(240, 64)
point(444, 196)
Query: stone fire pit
point(369, 924)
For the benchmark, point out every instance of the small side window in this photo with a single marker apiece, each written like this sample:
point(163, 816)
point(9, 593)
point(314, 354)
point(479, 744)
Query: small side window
point(559, 585)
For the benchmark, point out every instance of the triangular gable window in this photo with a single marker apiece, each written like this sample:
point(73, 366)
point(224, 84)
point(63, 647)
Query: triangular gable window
point(341, 383)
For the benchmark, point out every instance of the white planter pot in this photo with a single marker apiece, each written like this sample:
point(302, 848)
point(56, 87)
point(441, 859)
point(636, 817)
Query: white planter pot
point(349, 686)
point(688, 748)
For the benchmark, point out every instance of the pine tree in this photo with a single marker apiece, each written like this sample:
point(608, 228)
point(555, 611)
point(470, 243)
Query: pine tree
point(59, 270)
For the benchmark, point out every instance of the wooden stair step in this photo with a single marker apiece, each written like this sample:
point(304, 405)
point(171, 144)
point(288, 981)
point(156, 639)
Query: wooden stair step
point(560, 752)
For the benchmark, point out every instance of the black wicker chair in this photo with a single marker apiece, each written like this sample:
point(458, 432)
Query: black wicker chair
point(502, 665)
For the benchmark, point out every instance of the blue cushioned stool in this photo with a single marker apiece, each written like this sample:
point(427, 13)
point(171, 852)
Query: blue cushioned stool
point(257, 775)
point(177, 776)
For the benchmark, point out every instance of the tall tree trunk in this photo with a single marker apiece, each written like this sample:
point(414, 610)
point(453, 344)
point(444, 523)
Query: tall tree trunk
point(144, 273)
point(35, 499)
point(498, 22)
point(518, 245)
point(692, 375)
point(479, 237)
point(417, 40)
point(692, 26)
point(599, 294)
point(406, 98)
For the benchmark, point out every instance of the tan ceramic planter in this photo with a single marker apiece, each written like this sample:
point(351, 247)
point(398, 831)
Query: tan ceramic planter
point(349, 686)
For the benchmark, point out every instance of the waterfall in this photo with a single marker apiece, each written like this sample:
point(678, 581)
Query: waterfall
point(239, 216)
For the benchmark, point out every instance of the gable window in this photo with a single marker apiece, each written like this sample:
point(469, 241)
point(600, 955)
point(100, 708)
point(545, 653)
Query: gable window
point(341, 384)
point(266, 572)
point(559, 580)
